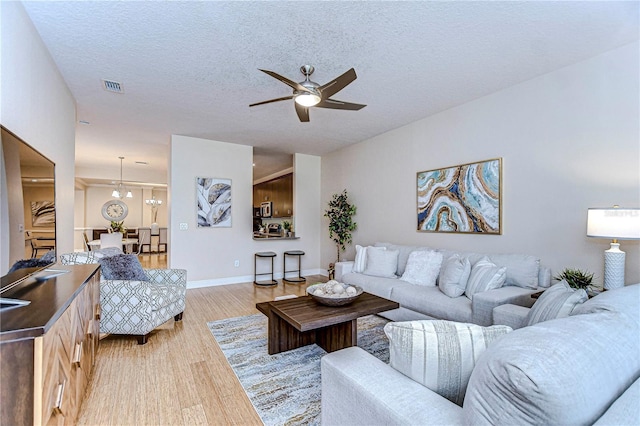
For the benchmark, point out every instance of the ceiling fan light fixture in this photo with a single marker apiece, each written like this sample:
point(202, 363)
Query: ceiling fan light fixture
point(307, 99)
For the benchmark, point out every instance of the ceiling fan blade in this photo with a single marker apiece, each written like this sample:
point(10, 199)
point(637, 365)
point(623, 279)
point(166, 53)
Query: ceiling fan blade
point(292, 84)
point(336, 85)
point(273, 100)
point(335, 104)
point(303, 112)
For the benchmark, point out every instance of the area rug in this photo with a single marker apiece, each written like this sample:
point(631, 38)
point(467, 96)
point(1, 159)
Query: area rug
point(284, 388)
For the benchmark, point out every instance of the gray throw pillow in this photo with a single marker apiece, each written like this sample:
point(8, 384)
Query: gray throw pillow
point(558, 301)
point(382, 263)
point(122, 267)
point(454, 275)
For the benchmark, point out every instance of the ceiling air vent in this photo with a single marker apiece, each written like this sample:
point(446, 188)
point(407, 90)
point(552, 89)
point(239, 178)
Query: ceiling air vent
point(112, 86)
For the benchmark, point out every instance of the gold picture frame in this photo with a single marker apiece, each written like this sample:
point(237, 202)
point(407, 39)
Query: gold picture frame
point(466, 198)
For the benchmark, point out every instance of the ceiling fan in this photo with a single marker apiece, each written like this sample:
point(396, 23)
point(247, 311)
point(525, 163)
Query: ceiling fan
point(308, 93)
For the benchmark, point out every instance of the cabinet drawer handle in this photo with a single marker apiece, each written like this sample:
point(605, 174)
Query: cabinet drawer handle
point(57, 408)
point(77, 355)
point(98, 312)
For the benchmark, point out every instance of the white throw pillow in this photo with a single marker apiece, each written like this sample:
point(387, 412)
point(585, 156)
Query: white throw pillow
point(484, 276)
point(454, 275)
point(439, 354)
point(558, 301)
point(360, 262)
point(382, 263)
point(423, 268)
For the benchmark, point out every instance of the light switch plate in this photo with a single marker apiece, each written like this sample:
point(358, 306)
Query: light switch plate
point(184, 226)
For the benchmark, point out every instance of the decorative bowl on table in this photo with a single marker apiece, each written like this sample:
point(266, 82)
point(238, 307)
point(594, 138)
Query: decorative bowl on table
point(334, 293)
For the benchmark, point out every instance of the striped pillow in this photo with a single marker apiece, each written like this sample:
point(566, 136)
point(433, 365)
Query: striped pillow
point(484, 276)
point(439, 354)
point(360, 262)
point(558, 301)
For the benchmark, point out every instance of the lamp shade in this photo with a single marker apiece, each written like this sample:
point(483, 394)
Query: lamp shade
point(614, 223)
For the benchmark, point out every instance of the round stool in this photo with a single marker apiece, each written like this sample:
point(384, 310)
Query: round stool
point(263, 254)
point(298, 279)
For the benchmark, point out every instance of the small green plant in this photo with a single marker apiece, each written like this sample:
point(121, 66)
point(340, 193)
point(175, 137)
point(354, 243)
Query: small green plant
point(118, 227)
point(575, 278)
point(286, 225)
point(341, 224)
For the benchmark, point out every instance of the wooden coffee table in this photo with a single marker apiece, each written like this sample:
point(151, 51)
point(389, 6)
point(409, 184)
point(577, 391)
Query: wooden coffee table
point(302, 321)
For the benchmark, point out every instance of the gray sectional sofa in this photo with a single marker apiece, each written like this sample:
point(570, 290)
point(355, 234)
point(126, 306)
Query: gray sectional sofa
point(524, 276)
point(582, 369)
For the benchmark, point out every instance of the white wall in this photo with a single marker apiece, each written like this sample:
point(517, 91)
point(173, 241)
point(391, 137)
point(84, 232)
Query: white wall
point(38, 107)
point(569, 140)
point(208, 254)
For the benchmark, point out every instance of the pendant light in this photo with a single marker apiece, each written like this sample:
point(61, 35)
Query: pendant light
point(120, 189)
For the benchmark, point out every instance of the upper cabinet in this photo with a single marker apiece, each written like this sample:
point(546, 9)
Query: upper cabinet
point(279, 191)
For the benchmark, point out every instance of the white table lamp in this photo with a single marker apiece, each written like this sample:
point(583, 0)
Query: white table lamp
point(617, 224)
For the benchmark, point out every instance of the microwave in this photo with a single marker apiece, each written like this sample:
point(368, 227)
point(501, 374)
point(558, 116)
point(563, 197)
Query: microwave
point(265, 209)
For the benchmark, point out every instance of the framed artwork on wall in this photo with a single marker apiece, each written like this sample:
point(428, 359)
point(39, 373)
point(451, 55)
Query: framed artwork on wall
point(213, 202)
point(461, 199)
point(43, 213)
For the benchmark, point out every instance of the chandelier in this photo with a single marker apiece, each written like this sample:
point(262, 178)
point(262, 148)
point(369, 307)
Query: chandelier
point(121, 189)
point(154, 204)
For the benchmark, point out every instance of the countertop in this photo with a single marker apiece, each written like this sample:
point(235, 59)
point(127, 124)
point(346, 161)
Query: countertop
point(264, 236)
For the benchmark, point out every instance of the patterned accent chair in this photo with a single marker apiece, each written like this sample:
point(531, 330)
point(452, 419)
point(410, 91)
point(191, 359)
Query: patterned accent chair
point(137, 307)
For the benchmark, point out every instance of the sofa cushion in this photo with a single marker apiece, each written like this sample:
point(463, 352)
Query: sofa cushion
point(558, 372)
point(454, 275)
point(556, 302)
point(382, 263)
point(375, 285)
point(360, 262)
point(439, 354)
point(431, 301)
point(484, 276)
point(422, 268)
point(522, 269)
point(122, 267)
point(624, 299)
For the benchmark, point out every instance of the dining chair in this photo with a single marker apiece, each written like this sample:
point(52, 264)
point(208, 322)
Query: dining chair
point(142, 234)
point(37, 244)
point(162, 241)
point(144, 240)
point(87, 247)
point(113, 239)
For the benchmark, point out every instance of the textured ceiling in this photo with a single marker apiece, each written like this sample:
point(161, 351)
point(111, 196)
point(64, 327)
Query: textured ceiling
point(191, 68)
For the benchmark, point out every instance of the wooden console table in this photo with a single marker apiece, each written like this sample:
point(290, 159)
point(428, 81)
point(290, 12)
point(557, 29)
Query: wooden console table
point(48, 348)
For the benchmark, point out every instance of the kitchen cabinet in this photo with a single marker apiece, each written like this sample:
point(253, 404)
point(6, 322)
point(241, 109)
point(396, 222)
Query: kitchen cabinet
point(279, 191)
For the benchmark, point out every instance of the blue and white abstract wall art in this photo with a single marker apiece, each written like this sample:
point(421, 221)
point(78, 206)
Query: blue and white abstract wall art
point(214, 202)
point(461, 199)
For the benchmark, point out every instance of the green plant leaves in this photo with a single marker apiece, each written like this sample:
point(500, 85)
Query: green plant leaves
point(575, 278)
point(341, 224)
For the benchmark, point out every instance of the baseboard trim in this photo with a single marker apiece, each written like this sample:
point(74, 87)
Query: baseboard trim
point(246, 279)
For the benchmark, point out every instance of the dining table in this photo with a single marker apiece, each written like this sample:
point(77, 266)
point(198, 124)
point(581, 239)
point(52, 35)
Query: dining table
point(127, 243)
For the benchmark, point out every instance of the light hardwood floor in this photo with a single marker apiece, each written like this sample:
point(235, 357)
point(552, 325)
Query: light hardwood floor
point(180, 377)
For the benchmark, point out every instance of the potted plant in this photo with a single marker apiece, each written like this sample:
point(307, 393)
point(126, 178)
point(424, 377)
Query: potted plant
point(287, 228)
point(118, 227)
point(575, 278)
point(341, 224)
